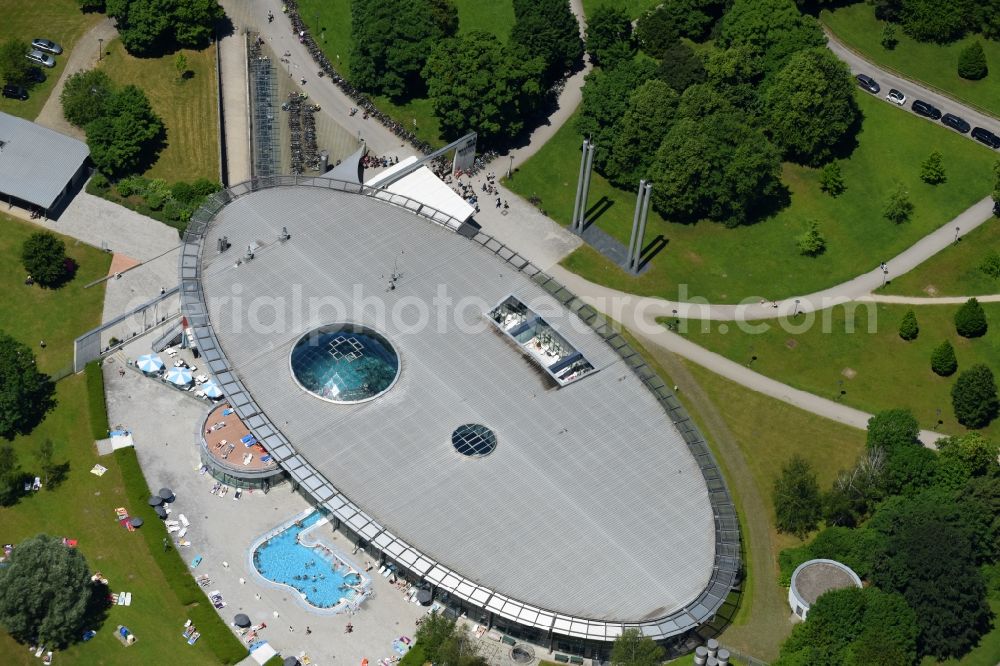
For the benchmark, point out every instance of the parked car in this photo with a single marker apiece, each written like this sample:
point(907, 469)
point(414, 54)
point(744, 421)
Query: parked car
point(926, 110)
point(868, 83)
point(46, 45)
point(986, 137)
point(36, 75)
point(896, 97)
point(40, 58)
point(956, 123)
point(15, 92)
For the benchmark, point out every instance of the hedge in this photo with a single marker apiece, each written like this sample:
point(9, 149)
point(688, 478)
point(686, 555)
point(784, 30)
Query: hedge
point(99, 426)
point(224, 644)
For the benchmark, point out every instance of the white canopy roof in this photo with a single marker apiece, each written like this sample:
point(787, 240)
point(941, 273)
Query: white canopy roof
point(423, 186)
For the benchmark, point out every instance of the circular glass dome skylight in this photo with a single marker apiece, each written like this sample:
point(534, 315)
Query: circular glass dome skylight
point(344, 363)
point(474, 440)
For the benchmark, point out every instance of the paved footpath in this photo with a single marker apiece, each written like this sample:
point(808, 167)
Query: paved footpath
point(233, 72)
point(82, 56)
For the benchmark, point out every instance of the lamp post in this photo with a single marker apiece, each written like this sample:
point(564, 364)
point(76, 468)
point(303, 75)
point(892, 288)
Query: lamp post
point(885, 276)
point(100, 48)
point(957, 230)
point(796, 311)
point(510, 167)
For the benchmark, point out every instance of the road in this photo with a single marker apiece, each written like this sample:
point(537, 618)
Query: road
point(887, 80)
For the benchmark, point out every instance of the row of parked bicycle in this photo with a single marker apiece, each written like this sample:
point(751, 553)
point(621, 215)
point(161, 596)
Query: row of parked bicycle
point(928, 110)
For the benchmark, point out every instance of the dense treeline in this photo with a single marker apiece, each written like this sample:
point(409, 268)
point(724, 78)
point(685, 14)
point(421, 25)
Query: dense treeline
point(476, 82)
point(712, 131)
point(153, 27)
point(931, 21)
point(923, 528)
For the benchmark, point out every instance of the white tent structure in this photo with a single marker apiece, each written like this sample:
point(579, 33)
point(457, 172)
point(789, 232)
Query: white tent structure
point(423, 186)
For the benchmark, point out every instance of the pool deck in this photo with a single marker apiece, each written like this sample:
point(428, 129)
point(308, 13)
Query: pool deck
point(164, 423)
point(224, 445)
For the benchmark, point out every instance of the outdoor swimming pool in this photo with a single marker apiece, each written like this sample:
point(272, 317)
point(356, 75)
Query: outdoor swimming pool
point(321, 575)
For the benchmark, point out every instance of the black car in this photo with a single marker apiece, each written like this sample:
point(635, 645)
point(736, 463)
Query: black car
point(956, 123)
point(15, 92)
point(926, 110)
point(36, 75)
point(986, 137)
point(868, 83)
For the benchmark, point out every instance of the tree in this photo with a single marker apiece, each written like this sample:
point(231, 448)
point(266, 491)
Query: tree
point(889, 39)
point(893, 428)
point(126, 134)
point(631, 648)
point(972, 62)
point(719, 167)
point(943, 361)
point(931, 170)
point(970, 320)
point(637, 136)
point(547, 29)
point(855, 491)
point(25, 393)
point(44, 592)
point(898, 207)
point(149, 27)
point(928, 559)
point(974, 397)
point(681, 67)
point(854, 627)
point(908, 329)
point(811, 243)
point(929, 21)
point(11, 475)
point(809, 105)
point(443, 642)
point(85, 96)
point(91, 5)
point(796, 498)
point(776, 27)
point(656, 30)
point(477, 84)
point(972, 455)
point(609, 29)
point(52, 472)
point(606, 97)
point(831, 180)
point(180, 64)
point(393, 40)
point(736, 74)
point(679, 18)
point(14, 66)
point(43, 256)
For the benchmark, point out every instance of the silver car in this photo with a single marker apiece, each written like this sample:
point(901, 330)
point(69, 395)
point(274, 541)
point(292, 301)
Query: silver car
point(46, 45)
point(40, 58)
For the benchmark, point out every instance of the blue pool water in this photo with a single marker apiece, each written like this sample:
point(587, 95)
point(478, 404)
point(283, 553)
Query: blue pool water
point(309, 570)
point(344, 363)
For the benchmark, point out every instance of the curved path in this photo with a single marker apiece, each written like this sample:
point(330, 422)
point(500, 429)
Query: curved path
point(858, 64)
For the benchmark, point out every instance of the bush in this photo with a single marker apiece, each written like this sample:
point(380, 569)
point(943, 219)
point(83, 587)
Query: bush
point(943, 361)
point(157, 193)
point(811, 243)
point(991, 264)
point(97, 408)
point(970, 320)
point(224, 645)
point(889, 39)
point(203, 187)
point(972, 62)
point(831, 180)
point(908, 329)
point(100, 182)
point(932, 171)
point(43, 255)
point(974, 397)
point(898, 207)
point(183, 192)
point(132, 185)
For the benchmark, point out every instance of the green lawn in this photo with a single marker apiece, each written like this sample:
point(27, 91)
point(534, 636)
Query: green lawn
point(750, 451)
point(83, 506)
point(954, 271)
point(871, 368)
point(936, 64)
point(761, 260)
point(330, 23)
point(58, 20)
point(189, 109)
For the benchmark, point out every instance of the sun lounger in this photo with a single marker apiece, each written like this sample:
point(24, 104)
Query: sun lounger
point(184, 521)
point(173, 528)
point(183, 543)
point(180, 535)
point(265, 459)
point(121, 599)
point(196, 561)
point(170, 523)
point(248, 439)
point(247, 459)
point(128, 598)
point(41, 649)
